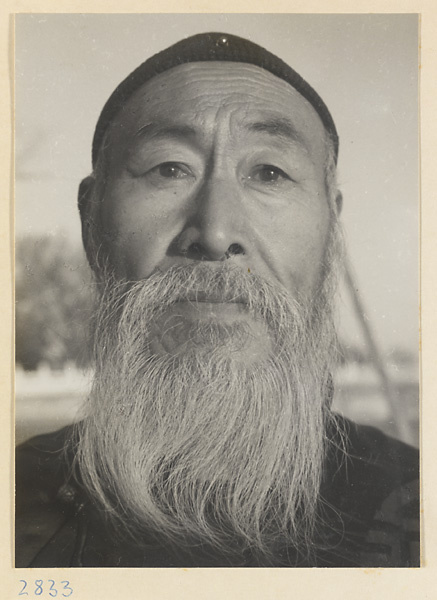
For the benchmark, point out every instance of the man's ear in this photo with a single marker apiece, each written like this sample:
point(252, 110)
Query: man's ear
point(86, 188)
point(339, 202)
point(87, 208)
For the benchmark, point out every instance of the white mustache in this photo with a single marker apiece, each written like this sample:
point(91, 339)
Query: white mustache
point(203, 283)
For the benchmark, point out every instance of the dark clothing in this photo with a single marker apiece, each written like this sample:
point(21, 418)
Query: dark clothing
point(369, 512)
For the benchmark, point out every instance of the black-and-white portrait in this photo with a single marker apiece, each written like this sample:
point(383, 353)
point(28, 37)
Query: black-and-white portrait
point(217, 290)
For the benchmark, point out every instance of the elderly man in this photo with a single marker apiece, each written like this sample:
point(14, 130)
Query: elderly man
point(211, 223)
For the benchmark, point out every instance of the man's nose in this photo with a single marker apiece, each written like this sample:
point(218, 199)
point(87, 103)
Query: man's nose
point(214, 230)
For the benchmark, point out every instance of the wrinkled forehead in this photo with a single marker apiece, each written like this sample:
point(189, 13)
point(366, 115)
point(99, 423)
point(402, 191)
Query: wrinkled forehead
point(197, 98)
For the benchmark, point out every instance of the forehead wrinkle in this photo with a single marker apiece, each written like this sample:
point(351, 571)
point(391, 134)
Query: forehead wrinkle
point(191, 128)
point(210, 125)
point(216, 106)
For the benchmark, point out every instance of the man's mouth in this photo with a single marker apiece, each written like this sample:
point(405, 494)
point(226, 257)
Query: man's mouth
point(212, 298)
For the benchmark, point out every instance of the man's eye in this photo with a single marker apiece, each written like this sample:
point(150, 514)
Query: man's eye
point(172, 170)
point(268, 174)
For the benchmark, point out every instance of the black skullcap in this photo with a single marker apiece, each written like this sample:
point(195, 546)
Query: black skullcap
point(205, 47)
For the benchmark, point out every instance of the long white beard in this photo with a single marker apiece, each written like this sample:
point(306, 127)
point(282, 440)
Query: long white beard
point(202, 448)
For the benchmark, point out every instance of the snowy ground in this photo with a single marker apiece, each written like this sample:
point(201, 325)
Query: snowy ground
point(47, 400)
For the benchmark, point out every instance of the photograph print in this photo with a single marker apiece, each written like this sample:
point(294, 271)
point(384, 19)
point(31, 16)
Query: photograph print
point(216, 290)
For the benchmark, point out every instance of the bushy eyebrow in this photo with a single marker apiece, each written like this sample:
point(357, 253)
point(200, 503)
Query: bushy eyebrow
point(158, 130)
point(278, 127)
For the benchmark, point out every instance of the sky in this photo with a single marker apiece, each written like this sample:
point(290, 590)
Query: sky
point(365, 67)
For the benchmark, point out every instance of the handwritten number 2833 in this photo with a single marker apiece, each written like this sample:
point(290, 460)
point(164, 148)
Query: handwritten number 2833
point(52, 591)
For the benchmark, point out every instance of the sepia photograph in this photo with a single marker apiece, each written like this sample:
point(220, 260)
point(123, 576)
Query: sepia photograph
point(217, 290)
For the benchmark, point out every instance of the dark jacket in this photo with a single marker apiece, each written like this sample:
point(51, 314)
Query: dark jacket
point(369, 510)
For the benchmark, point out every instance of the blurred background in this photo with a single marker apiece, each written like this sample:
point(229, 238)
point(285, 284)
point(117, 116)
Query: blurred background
point(365, 67)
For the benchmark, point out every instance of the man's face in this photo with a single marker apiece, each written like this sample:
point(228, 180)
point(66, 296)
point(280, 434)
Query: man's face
point(213, 162)
point(215, 342)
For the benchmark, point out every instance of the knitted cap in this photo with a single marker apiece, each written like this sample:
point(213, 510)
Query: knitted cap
point(209, 47)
